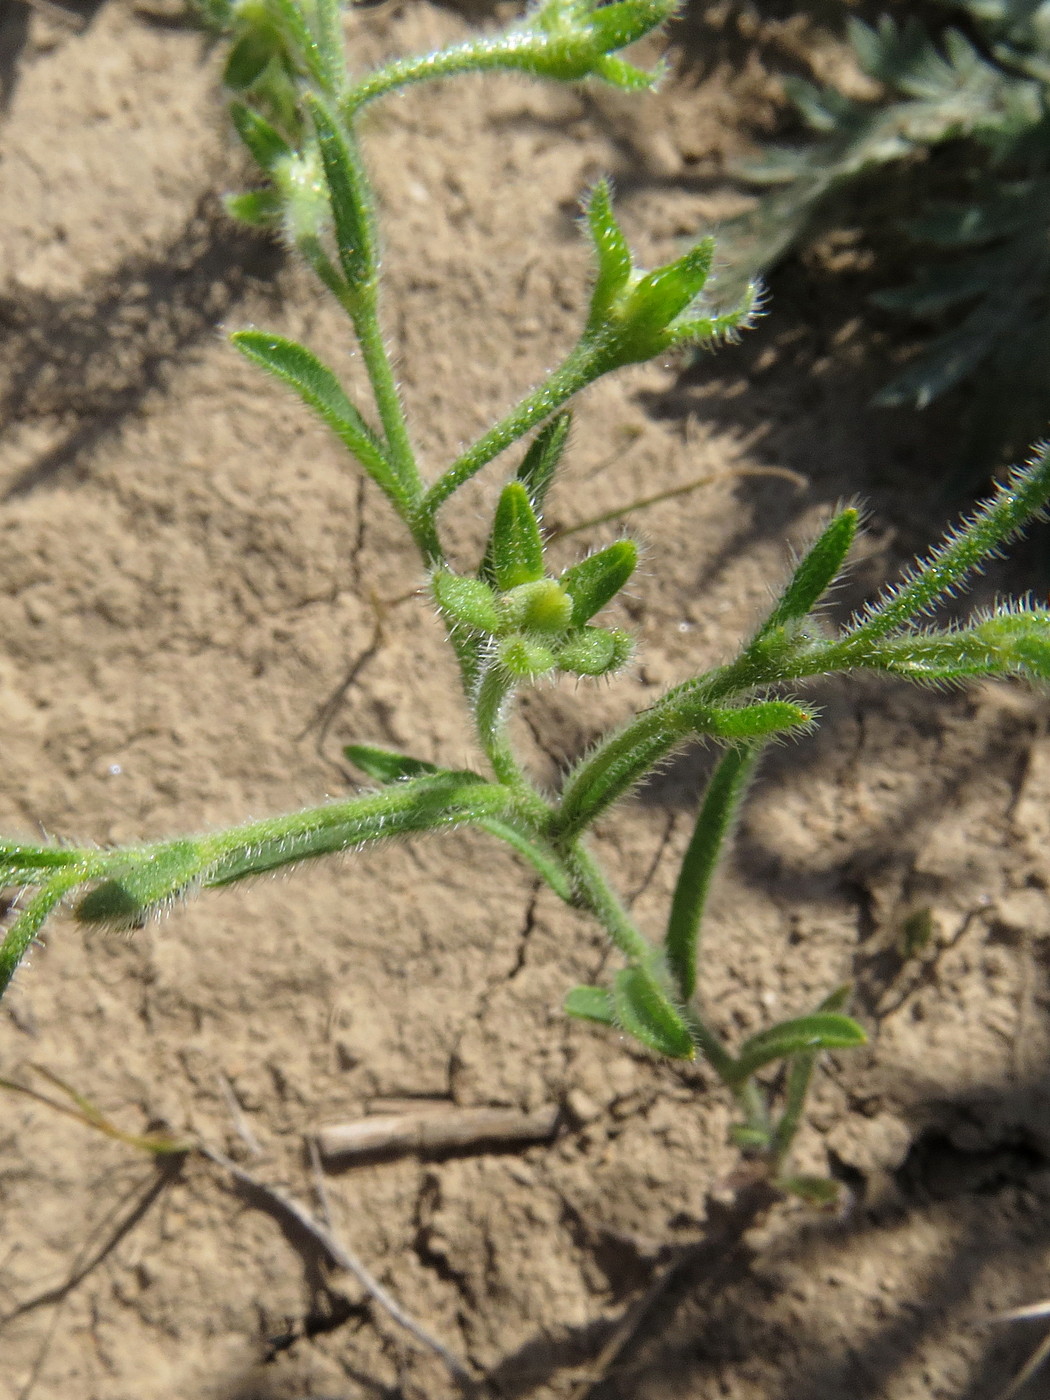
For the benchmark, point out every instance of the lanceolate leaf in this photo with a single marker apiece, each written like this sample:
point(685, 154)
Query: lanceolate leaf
point(596, 580)
point(247, 59)
point(385, 766)
point(824, 1030)
point(265, 143)
point(516, 549)
point(355, 236)
point(713, 823)
point(611, 251)
point(643, 1010)
point(591, 1004)
point(256, 208)
point(467, 601)
point(318, 387)
point(541, 460)
point(757, 721)
point(815, 574)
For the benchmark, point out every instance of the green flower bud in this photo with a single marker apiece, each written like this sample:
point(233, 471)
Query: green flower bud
point(595, 651)
point(516, 547)
point(524, 657)
point(467, 601)
point(307, 208)
point(597, 579)
point(543, 606)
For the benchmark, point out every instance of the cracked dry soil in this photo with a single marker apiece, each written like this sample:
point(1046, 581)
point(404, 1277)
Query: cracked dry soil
point(190, 574)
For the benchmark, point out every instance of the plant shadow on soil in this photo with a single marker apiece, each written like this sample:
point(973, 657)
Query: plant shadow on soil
point(85, 363)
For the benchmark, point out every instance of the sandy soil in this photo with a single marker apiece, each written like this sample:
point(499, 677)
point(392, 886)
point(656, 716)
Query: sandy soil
point(191, 573)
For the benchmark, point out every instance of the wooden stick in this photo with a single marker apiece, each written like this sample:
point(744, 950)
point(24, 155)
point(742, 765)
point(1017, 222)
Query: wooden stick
point(341, 1256)
point(436, 1130)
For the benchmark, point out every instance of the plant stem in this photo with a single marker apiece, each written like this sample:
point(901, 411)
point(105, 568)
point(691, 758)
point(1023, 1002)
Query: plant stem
point(580, 368)
point(363, 311)
point(30, 921)
point(489, 702)
point(493, 694)
point(710, 1045)
point(596, 894)
point(475, 56)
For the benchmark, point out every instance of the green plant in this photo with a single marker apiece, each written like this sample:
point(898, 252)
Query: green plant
point(965, 112)
point(512, 621)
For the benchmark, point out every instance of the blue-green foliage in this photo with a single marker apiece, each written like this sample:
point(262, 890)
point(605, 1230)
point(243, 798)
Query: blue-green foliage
point(965, 107)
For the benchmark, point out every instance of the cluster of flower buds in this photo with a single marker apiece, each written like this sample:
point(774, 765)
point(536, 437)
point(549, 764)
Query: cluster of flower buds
point(538, 624)
point(637, 315)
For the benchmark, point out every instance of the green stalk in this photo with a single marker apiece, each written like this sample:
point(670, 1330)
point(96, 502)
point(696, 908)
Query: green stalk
point(31, 920)
point(492, 695)
point(489, 703)
point(713, 823)
point(594, 893)
point(964, 550)
point(580, 368)
point(523, 51)
point(365, 313)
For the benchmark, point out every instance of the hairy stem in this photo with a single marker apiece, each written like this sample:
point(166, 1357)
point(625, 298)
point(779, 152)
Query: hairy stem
point(580, 368)
point(595, 893)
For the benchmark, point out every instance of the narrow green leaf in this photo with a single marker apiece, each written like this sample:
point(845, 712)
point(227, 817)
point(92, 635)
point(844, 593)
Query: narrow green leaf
point(667, 292)
point(623, 22)
point(256, 208)
point(596, 580)
point(838, 999)
point(467, 601)
point(148, 883)
point(247, 59)
point(536, 473)
point(433, 801)
point(824, 1030)
point(611, 251)
point(385, 766)
point(618, 73)
point(749, 1139)
point(758, 721)
point(318, 387)
point(714, 821)
point(644, 1011)
point(537, 853)
point(516, 547)
point(816, 572)
point(591, 1004)
point(30, 921)
point(799, 1074)
point(347, 189)
point(540, 462)
point(265, 143)
point(303, 42)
